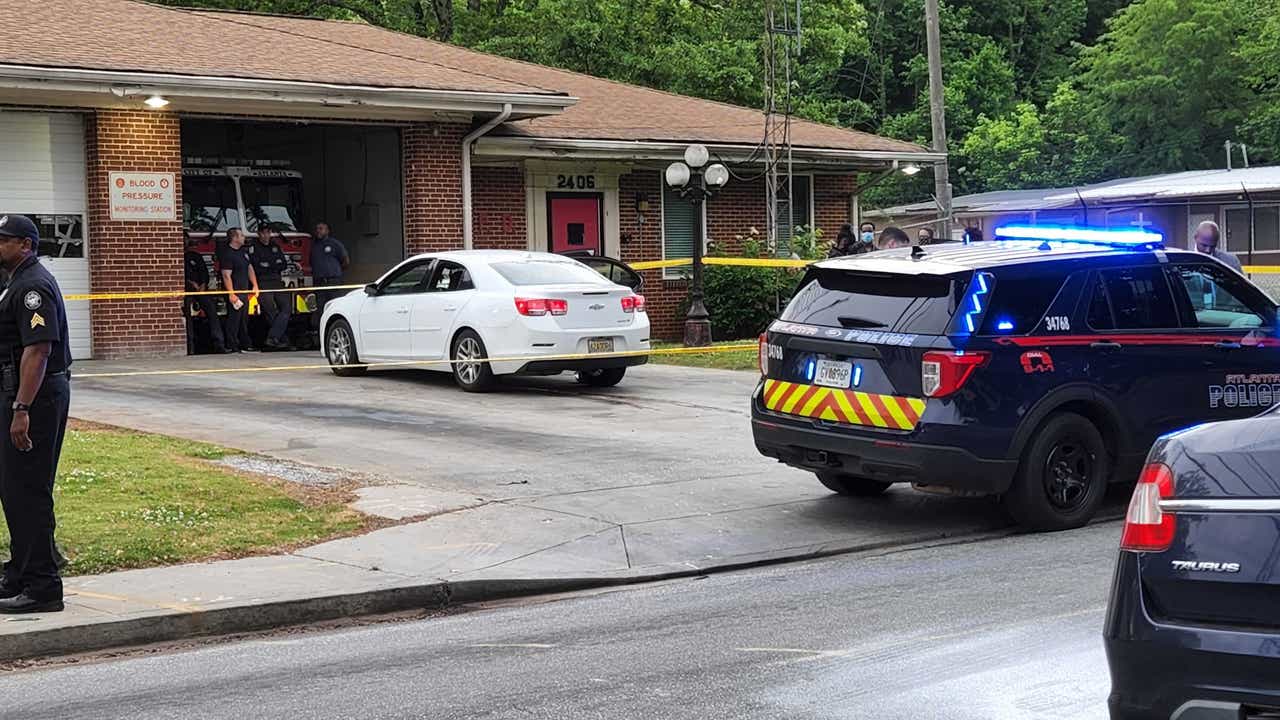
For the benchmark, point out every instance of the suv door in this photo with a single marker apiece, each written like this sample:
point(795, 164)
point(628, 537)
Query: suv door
point(1236, 320)
point(436, 311)
point(1151, 369)
point(384, 317)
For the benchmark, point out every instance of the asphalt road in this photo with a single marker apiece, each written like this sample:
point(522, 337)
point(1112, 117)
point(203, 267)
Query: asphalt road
point(1003, 628)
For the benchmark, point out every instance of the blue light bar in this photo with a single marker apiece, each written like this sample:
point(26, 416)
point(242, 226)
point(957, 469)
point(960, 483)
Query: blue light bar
point(857, 375)
point(1095, 236)
point(973, 304)
point(808, 371)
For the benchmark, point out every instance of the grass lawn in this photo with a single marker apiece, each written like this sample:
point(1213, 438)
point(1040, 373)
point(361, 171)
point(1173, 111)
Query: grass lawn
point(723, 359)
point(129, 500)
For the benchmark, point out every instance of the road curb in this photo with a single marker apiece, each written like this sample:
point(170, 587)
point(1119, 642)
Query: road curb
point(431, 595)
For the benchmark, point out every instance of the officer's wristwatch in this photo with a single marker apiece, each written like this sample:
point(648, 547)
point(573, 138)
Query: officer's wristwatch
point(21, 407)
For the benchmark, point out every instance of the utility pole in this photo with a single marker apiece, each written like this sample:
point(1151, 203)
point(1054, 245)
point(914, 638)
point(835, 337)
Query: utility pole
point(938, 116)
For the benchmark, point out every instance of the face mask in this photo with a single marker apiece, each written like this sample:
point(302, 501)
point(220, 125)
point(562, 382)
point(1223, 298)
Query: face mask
point(868, 237)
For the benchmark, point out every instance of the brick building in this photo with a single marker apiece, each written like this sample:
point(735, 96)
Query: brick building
point(129, 122)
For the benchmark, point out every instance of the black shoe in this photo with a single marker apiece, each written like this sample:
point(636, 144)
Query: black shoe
point(7, 591)
point(23, 604)
point(227, 351)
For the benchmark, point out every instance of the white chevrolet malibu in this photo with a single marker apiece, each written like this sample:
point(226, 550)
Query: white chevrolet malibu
point(491, 312)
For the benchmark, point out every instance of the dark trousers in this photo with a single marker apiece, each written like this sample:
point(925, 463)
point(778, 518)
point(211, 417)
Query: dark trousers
point(277, 309)
point(235, 333)
point(210, 309)
point(26, 490)
point(323, 297)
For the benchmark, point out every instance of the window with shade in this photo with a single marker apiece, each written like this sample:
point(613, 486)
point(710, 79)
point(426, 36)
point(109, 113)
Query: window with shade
point(678, 230)
point(793, 210)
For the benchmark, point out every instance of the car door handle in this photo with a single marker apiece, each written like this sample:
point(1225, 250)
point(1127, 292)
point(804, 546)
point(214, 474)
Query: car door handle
point(1106, 345)
point(1227, 345)
point(450, 308)
point(403, 311)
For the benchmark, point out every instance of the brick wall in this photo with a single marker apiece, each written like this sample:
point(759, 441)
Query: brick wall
point(133, 256)
point(498, 208)
point(432, 157)
point(643, 241)
point(831, 197)
point(736, 211)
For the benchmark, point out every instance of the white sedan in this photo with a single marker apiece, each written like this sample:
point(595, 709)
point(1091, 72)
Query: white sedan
point(531, 313)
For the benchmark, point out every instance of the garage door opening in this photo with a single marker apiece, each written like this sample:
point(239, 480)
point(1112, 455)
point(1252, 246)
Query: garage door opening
point(292, 176)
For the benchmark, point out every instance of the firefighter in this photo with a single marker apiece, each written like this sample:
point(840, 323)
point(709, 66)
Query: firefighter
point(269, 263)
point(36, 394)
point(237, 277)
point(329, 259)
point(197, 279)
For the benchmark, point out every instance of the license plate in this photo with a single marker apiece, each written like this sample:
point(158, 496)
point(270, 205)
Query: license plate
point(600, 345)
point(833, 373)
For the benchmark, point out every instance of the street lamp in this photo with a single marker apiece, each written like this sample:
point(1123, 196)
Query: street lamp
point(697, 185)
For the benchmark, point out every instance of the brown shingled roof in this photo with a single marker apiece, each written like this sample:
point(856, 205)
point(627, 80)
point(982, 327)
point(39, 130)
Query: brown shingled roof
point(136, 36)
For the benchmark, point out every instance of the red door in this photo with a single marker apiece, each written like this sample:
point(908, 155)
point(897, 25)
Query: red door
point(574, 222)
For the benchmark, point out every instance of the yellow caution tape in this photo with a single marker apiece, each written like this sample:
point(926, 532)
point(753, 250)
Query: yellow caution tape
point(192, 293)
point(710, 349)
point(716, 260)
point(656, 264)
point(1262, 269)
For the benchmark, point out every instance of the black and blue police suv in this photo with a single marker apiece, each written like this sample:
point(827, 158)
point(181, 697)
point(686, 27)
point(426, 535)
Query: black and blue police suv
point(1038, 369)
point(1193, 628)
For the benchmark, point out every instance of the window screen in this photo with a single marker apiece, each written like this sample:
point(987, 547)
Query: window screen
point(793, 212)
point(678, 229)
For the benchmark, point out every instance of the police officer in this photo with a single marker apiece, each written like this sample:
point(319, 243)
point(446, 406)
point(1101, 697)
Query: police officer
point(237, 277)
point(197, 278)
point(269, 263)
point(35, 395)
point(329, 259)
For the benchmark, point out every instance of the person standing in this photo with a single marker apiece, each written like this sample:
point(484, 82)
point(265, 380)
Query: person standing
point(36, 388)
point(893, 237)
point(329, 259)
point(269, 263)
point(197, 279)
point(845, 241)
point(1207, 238)
point(237, 277)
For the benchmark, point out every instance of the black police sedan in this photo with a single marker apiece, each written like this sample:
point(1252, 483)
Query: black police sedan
point(1034, 369)
point(1193, 628)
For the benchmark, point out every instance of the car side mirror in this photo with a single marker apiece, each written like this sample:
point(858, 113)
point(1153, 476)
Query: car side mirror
point(371, 289)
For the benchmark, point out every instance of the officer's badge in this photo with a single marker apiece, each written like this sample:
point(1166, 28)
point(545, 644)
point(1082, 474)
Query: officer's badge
point(32, 300)
point(36, 321)
point(327, 248)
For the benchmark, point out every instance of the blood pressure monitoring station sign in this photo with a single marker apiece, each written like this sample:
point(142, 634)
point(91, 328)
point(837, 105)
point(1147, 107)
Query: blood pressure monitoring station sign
point(142, 196)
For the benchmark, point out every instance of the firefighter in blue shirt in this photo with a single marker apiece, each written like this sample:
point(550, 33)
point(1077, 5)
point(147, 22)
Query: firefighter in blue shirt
point(269, 263)
point(35, 396)
point(329, 259)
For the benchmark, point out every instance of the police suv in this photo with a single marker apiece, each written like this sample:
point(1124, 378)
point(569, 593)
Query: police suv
point(1037, 367)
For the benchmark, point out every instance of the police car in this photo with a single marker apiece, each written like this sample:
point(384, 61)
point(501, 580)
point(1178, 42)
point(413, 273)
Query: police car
point(1037, 367)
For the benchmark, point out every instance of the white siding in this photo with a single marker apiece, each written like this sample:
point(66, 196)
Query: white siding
point(44, 173)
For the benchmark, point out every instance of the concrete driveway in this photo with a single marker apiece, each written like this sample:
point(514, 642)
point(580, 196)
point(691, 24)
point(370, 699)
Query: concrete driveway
point(556, 478)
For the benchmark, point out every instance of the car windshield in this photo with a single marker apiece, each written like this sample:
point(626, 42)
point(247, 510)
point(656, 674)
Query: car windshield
point(548, 272)
point(899, 303)
point(275, 201)
point(209, 204)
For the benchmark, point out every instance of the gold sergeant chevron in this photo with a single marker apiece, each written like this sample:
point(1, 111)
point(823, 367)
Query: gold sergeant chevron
point(843, 406)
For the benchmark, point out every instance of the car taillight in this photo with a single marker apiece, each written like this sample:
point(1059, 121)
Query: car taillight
point(535, 307)
point(944, 372)
point(633, 303)
point(1147, 528)
point(762, 360)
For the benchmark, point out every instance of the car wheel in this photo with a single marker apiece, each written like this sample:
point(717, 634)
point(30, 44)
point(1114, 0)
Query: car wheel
point(340, 349)
point(852, 485)
point(469, 369)
point(1062, 478)
point(601, 377)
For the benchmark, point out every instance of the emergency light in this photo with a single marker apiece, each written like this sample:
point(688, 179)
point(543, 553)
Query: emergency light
point(1119, 238)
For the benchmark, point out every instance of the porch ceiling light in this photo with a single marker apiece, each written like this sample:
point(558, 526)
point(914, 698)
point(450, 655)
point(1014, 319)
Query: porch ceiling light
point(155, 102)
point(695, 156)
point(716, 175)
point(678, 174)
point(910, 169)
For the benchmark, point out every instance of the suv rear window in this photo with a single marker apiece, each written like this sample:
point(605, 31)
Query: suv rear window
point(545, 272)
point(921, 304)
point(1019, 302)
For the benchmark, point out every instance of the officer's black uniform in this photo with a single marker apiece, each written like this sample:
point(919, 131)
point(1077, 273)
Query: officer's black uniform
point(32, 312)
point(197, 278)
point(269, 263)
point(234, 326)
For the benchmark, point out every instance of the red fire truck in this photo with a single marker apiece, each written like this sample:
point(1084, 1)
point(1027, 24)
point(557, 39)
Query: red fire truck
point(223, 193)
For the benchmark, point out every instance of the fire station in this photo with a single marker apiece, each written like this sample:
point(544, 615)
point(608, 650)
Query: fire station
point(124, 125)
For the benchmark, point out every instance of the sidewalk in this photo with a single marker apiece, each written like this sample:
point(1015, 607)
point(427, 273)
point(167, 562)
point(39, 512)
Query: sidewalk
point(668, 483)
